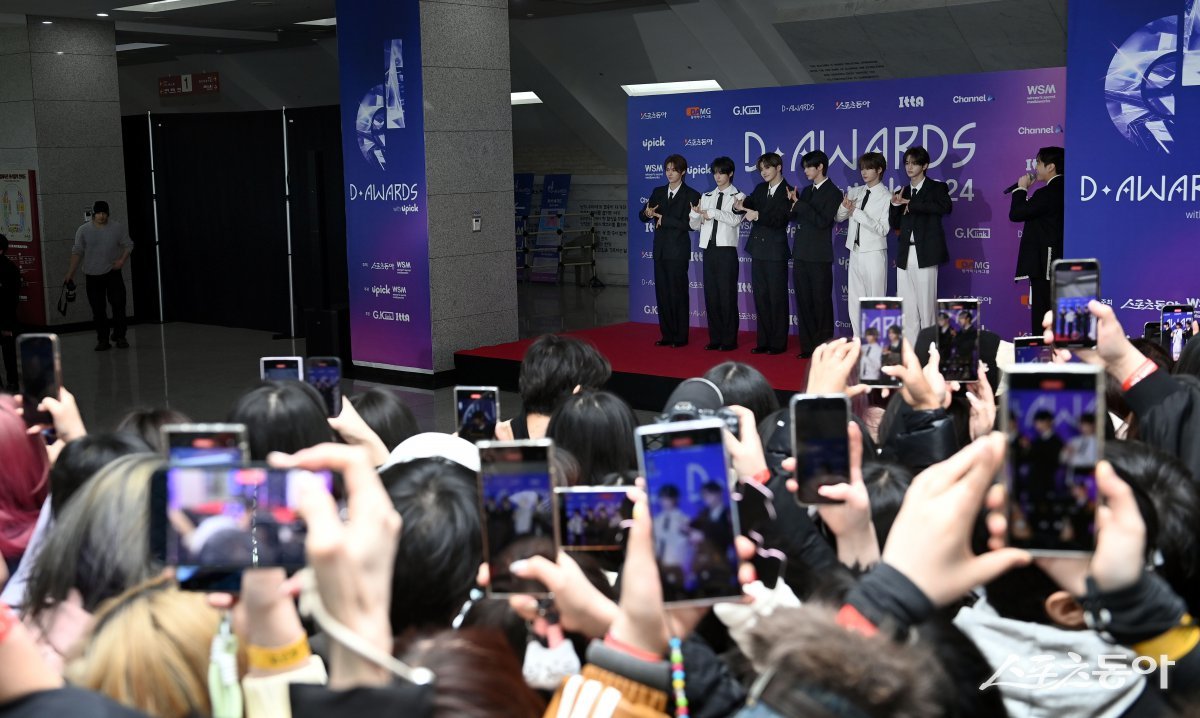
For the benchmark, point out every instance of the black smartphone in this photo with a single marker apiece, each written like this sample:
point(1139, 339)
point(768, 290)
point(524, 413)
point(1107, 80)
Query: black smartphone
point(820, 444)
point(755, 504)
point(517, 505)
point(1076, 282)
point(593, 520)
point(279, 368)
point(957, 339)
point(41, 374)
point(325, 375)
point(477, 409)
point(205, 444)
point(223, 518)
point(687, 478)
point(1152, 331)
point(1052, 416)
point(1032, 350)
point(1176, 328)
point(881, 322)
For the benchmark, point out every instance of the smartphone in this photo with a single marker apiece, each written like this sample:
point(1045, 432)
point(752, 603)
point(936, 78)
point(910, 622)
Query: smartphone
point(1052, 417)
point(1152, 331)
point(1032, 350)
point(881, 321)
point(517, 505)
point(687, 478)
point(957, 340)
point(820, 444)
point(279, 368)
point(1176, 328)
point(477, 409)
point(205, 444)
point(594, 520)
point(41, 374)
point(223, 518)
point(1076, 282)
point(755, 505)
point(325, 375)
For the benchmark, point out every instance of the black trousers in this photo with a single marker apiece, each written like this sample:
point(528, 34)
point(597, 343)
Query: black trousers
point(1039, 304)
point(813, 282)
point(671, 293)
point(110, 287)
point(720, 294)
point(8, 347)
point(769, 280)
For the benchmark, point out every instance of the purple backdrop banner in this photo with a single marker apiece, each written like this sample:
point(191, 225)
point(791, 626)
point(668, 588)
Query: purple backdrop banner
point(982, 131)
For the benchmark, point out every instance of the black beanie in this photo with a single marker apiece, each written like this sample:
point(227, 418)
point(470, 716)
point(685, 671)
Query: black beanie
point(100, 206)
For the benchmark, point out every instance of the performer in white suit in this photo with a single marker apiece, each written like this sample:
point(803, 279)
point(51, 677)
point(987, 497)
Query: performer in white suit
point(867, 207)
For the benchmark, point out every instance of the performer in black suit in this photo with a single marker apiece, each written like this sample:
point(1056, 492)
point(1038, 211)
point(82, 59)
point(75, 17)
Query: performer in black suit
point(768, 207)
point(917, 211)
point(814, 210)
point(669, 207)
point(1042, 240)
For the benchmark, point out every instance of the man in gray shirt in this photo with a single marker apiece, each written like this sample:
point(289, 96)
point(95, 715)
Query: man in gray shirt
point(102, 246)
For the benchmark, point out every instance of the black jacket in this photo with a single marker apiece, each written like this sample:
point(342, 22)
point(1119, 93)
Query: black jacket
point(923, 219)
point(768, 235)
point(1042, 239)
point(1168, 412)
point(10, 292)
point(814, 214)
point(673, 238)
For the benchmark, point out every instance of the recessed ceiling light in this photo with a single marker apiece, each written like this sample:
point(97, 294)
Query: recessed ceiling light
point(165, 5)
point(59, 52)
point(47, 22)
point(671, 88)
point(125, 47)
point(101, 14)
point(326, 22)
point(525, 98)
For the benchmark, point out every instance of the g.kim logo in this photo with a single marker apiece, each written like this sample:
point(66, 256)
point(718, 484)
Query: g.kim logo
point(973, 232)
point(912, 101)
point(652, 142)
point(740, 110)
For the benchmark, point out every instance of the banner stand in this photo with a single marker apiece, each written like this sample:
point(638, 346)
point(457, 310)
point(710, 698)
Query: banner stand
point(154, 204)
point(287, 214)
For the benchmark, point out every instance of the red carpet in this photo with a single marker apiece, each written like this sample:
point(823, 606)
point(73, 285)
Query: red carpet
point(642, 373)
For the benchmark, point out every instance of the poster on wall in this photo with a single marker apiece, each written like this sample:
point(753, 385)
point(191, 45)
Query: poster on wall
point(1133, 161)
point(383, 150)
point(982, 131)
point(522, 206)
point(544, 263)
point(19, 223)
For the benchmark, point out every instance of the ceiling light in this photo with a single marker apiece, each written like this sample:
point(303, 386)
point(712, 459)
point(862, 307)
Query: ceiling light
point(165, 5)
point(671, 88)
point(525, 98)
point(59, 52)
point(138, 46)
point(321, 23)
point(101, 14)
point(47, 22)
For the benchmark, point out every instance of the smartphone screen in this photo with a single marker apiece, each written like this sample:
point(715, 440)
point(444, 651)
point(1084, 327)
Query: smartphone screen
point(1076, 282)
point(755, 505)
point(882, 326)
point(1152, 331)
point(229, 517)
point(820, 444)
point(478, 410)
point(279, 368)
point(1176, 328)
point(205, 444)
point(1032, 350)
point(325, 375)
point(516, 497)
point(593, 520)
point(957, 340)
point(1051, 415)
point(687, 479)
point(41, 374)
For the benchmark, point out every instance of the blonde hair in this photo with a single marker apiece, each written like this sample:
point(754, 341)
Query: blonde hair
point(149, 649)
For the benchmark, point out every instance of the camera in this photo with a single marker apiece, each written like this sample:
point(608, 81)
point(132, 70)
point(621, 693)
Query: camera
point(699, 399)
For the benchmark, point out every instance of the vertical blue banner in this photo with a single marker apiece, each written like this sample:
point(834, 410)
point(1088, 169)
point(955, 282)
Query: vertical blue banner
point(1133, 159)
point(383, 152)
point(522, 206)
point(544, 266)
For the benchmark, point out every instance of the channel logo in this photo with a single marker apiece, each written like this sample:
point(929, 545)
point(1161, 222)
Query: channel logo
point(651, 142)
point(742, 110)
point(1054, 130)
point(911, 101)
point(656, 115)
point(973, 232)
point(972, 99)
point(852, 104)
point(699, 113)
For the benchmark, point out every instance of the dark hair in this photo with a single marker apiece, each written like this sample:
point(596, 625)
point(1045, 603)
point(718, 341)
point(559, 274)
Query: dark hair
point(553, 366)
point(1189, 359)
point(816, 158)
point(743, 385)
point(441, 545)
point(724, 165)
point(1043, 415)
point(886, 485)
point(917, 154)
point(1020, 594)
point(282, 416)
point(1052, 156)
point(873, 161)
point(668, 491)
point(477, 675)
point(597, 427)
point(770, 159)
point(710, 487)
point(147, 424)
point(387, 415)
point(81, 459)
point(871, 332)
point(679, 162)
point(1115, 398)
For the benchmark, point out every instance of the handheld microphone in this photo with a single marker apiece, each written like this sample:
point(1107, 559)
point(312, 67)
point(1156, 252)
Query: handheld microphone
point(1015, 185)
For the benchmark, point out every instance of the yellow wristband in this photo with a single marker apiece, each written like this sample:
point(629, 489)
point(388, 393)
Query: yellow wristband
point(275, 659)
point(1174, 644)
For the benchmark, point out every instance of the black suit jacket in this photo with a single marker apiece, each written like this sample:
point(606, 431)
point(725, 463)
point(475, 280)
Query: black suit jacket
point(768, 235)
point(673, 238)
point(814, 214)
point(924, 219)
point(1042, 240)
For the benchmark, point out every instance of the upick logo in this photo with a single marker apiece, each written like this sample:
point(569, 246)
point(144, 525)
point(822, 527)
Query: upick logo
point(652, 142)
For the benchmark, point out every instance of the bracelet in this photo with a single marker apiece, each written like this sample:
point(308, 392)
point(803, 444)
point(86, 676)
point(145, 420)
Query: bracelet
point(638, 653)
point(275, 659)
point(762, 477)
point(1147, 368)
point(8, 621)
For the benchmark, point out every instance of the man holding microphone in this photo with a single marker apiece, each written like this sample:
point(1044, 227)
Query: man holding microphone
point(1042, 239)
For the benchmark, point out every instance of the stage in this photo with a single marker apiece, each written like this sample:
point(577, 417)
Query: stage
point(643, 374)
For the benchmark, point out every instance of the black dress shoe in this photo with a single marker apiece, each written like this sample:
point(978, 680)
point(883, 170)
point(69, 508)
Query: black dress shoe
point(728, 347)
point(711, 347)
point(122, 344)
point(663, 343)
point(774, 352)
point(759, 350)
point(679, 345)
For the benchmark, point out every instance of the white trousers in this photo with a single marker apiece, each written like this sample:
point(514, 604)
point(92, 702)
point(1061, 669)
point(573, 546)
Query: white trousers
point(918, 287)
point(868, 278)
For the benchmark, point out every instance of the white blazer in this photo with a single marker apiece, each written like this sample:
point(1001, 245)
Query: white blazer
point(871, 223)
point(725, 219)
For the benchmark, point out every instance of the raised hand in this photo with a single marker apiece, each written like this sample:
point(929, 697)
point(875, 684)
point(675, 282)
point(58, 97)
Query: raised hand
point(793, 194)
point(847, 202)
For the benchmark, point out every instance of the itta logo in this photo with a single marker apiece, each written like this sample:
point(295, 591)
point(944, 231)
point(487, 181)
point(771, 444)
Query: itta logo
point(651, 142)
point(911, 101)
point(741, 110)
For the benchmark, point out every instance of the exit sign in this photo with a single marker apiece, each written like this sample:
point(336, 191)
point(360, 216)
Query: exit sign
point(192, 84)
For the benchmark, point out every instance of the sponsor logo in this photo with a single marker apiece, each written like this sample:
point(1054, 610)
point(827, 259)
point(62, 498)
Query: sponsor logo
point(1040, 94)
point(972, 99)
point(695, 285)
point(643, 200)
point(745, 288)
point(650, 309)
point(839, 324)
point(651, 142)
point(749, 316)
point(973, 232)
point(851, 104)
point(843, 261)
point(698, 142)
point(1155, 305)
point(741, 110)
point(391, 316)
point(647, 255)
point(697, 256)
point(1053, 130)
point(802, 107)
point(656, 115)
point(647, 282)
point(973, 266)
point(697, 170)
point(403, 267)
point(699, 113)
point(912, 101)
point(1139, 188)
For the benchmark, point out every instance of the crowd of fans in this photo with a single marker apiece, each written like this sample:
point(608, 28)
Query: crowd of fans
point(901, 600)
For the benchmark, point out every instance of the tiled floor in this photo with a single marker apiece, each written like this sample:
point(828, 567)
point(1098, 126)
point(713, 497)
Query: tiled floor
point(200, 370)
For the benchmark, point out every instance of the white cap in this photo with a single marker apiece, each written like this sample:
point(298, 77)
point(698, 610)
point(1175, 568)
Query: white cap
point(431, 444)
